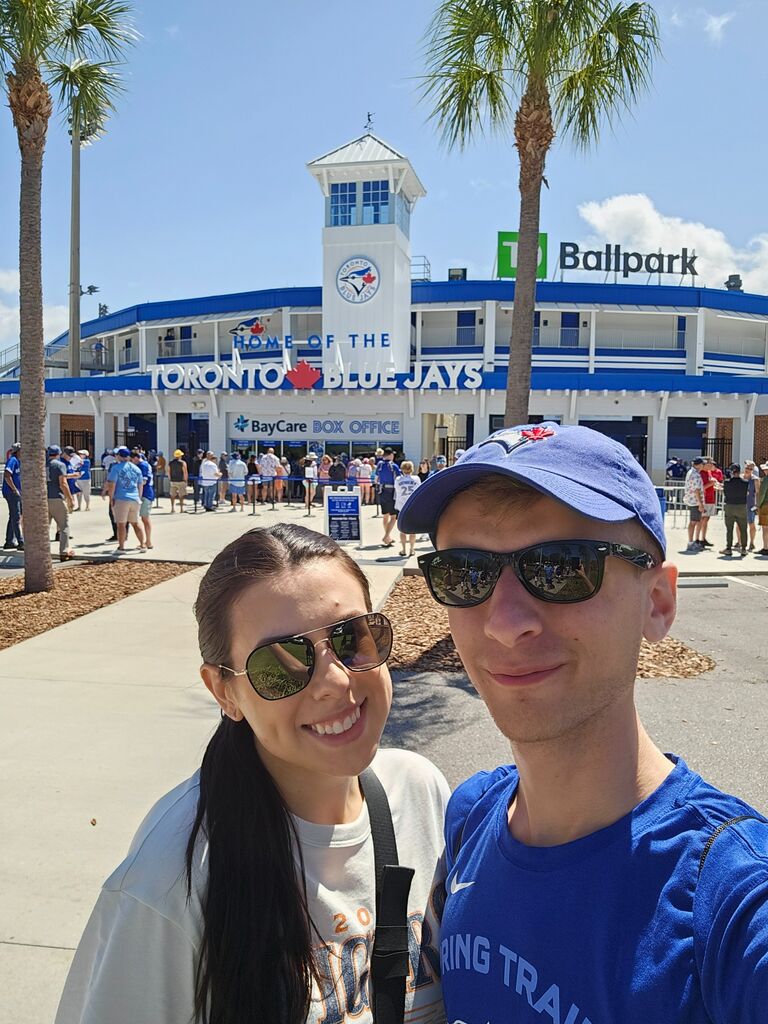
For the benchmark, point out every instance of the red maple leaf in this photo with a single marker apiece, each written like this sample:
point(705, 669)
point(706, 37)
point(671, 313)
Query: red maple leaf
point(303, 375)
point(537, 433)
point(257, 328)
point(368, 278)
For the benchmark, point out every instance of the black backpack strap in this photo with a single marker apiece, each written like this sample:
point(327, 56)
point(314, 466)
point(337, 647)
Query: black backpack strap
point(716, 833)
point(389, 959)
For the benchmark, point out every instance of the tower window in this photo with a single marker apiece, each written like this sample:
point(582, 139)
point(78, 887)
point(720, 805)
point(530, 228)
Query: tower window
point(375, 202)
point(343, 204)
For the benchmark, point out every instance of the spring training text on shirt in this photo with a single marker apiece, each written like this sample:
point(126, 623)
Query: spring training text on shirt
point(474, 953)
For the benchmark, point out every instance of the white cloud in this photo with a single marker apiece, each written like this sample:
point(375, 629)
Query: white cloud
point(677, 19)
point(55, 320)
point(714, 25)
point(634, 222)
point(9, 281)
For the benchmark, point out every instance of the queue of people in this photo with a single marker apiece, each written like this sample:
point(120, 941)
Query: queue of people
point(305, 874)
point(745, 505)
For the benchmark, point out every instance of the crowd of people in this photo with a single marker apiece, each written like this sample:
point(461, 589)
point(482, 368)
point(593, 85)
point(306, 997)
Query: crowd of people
point(745, 504)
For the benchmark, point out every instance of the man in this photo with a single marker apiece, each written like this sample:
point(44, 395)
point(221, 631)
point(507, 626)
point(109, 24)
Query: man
point(387, 471)
point(60, 502)
point(735, 490)
point(194, 475)
point(179, 479)
point(712, 480)
point(752, 476)
point(209, 475)
point(124, 488)
point(12, 494)
point(268, 464)
point(693, 497)
point(596, 879)
point(237, 471)
point(337, 474)
point(147, 494)
point(108, 460)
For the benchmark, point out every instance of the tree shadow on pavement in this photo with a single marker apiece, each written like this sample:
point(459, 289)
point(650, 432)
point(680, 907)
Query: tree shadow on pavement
point(426, 706)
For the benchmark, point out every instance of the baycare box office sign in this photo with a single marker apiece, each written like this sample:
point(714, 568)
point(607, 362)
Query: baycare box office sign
point(317, 427)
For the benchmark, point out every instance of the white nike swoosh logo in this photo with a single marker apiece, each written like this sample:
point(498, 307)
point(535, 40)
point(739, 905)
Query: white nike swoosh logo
point(457, 886)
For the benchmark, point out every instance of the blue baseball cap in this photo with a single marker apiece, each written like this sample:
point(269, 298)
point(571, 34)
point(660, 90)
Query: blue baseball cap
point(53, 449)
point(123, 452)
point(582, 468)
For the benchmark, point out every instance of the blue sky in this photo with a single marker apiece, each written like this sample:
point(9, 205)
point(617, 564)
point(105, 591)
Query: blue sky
point(200, 187)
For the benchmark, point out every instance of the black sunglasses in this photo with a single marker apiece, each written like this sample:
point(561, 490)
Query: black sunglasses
point(559, 571)
point(284, 667)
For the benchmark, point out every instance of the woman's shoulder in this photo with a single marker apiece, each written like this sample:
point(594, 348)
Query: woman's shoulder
point(409, 776)
point(154, 869)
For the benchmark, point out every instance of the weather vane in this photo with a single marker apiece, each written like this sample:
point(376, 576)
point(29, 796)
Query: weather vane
point(369, 122)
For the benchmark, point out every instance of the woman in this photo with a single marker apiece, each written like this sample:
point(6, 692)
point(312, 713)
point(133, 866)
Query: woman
point(253, 471)
point(364, 474)
point(84, 481)
point(752, 476)
point(323, 477)
point(249, 890)
point(282, 470)
point(405, 485)
point(223, 477)
point(423, 470)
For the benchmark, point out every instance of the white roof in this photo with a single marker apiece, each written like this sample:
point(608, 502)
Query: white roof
point(367, 149)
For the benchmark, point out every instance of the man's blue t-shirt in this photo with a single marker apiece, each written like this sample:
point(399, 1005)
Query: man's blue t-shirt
point(126, 477)
point(613, 928)
point(12, 466)
point(386, 471)
point(146, 472)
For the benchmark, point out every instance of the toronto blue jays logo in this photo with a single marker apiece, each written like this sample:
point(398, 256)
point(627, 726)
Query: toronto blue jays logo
point(511, 440)
point(241, 423)
point(357, 279)
point(253, 327)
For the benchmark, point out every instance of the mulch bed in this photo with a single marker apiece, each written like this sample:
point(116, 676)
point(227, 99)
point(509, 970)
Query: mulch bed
point(78, 589)
point(423, 642)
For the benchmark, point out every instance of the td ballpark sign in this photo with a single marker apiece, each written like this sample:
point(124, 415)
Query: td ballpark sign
point(610, 259)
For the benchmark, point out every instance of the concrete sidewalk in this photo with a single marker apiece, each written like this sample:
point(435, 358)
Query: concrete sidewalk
point(101, 717)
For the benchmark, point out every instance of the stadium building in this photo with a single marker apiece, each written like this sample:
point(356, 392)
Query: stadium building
point(381, 354)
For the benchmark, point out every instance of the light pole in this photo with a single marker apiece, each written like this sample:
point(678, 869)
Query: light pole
point(79, 138)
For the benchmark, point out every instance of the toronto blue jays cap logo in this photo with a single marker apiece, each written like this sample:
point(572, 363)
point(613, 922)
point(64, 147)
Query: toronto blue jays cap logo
point(253, 327)
point(511, 439)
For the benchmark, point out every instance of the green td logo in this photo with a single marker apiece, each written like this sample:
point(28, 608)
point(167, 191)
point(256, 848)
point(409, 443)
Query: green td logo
point(507, 255)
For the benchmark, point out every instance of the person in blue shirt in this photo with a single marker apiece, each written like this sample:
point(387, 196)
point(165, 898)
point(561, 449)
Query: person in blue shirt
point(84, 480)
point(387, 471)
point(147, 494)
point(124, 487)
point(596, 880)
point(12, 494)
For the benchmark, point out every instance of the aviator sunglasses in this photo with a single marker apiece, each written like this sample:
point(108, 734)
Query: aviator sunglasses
point(284, 667)
point(558, 571)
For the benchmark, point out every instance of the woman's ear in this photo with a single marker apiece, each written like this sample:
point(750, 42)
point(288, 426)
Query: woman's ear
point(662, 602)
point(222, 692)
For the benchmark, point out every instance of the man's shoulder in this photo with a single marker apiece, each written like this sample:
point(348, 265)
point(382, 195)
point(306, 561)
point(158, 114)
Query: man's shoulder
point(473, 800)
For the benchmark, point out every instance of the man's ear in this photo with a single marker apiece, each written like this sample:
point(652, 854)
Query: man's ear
point(221, 690)
point(662, 602)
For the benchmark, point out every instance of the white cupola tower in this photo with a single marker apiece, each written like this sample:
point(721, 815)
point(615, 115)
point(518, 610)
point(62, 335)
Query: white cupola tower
point(370, 190)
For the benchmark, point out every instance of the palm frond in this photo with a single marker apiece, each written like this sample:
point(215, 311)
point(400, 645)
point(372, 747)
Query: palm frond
point(99, 27)
point(28, 29)
point(87, 91)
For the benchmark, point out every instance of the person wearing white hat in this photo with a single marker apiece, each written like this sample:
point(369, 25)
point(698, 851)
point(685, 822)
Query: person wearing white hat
point(84, 480)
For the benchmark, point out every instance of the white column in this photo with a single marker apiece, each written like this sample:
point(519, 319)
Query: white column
point(7, 431)
point(743, 438)
point(418, 335)
point(694, 345)
point(489, 338)
point(217, 429)
point(712, 426)
point(571, 412)
point(163, 430)
point(216, 344)
point(592, 340)
point(52, 428)
point(100, 441)
point(412, 442)
point(143, 349)
point(657, 448)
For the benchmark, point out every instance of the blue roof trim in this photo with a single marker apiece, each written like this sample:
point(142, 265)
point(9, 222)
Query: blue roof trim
point(555, 378)
point(727, 357)
point(432, 292)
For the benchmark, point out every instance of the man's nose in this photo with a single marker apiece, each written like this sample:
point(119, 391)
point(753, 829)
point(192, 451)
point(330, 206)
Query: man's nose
point(512, 614)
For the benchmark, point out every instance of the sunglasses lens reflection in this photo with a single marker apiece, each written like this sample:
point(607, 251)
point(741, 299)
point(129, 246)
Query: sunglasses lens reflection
point(280, 670)
point(364, 642)
point(561, 572)
point(462, 578)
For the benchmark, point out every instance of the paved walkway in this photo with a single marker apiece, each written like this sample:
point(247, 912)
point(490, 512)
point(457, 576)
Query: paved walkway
point(103, 715)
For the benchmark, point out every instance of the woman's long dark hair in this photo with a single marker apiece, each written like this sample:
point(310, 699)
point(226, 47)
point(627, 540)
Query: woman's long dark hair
point(255, 963)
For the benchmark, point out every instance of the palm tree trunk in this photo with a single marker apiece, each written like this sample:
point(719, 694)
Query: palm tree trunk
point(30, 103)
point(533, 134)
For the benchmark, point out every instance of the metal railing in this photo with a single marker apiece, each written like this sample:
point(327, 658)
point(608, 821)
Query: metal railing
point(717, 345)
point(432, 337)
point(671, 341)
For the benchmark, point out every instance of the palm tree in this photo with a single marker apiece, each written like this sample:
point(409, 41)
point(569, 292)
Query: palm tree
point(533, 68)
point(74, 47)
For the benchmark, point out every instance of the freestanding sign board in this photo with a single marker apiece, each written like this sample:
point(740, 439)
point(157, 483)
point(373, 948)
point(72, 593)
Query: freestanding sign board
point(342, 515)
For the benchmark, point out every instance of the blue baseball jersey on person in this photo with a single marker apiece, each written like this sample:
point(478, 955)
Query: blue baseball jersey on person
point(146, 472)
point(12, 466)
point(85, 469)
point(126, 477)
point(613, 928)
